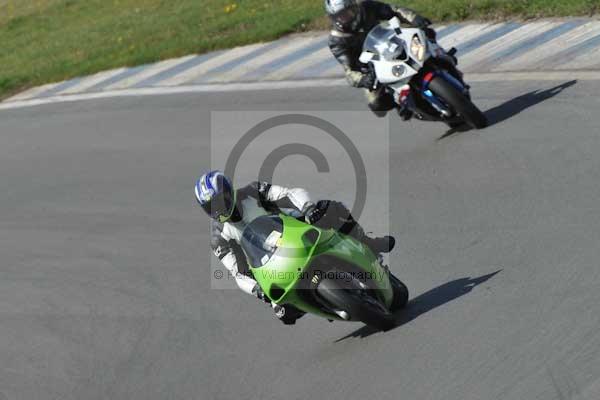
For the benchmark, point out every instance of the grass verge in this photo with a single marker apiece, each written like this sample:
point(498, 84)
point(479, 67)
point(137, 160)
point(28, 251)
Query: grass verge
point(52, 40)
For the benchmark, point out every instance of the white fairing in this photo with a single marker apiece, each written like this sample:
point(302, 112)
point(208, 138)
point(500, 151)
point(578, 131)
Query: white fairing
point(388, 48)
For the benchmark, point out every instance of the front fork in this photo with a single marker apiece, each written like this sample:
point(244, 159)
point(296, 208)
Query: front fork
point(419, 85)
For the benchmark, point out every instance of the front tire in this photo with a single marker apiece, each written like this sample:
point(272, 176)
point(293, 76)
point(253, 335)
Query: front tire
point(347, 295)
point(400, 293)
point(459, 102)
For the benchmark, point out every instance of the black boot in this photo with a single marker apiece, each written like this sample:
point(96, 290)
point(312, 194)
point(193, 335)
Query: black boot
point(452, 54)
point(405, 114)
point(378, 245)
point(338, 217)
point(287, 314)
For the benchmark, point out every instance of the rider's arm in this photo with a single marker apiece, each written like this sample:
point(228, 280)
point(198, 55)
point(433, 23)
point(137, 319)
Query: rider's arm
point(411, 17)
point(340, 48)
point(284, 198)
point(297, 198)
point(385, 11)
point(222, 248)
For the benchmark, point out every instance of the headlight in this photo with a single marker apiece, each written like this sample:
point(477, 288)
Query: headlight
point(398, 70)
point(417, 48)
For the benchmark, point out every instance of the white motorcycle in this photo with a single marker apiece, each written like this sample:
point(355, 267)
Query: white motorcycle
point(419, 75)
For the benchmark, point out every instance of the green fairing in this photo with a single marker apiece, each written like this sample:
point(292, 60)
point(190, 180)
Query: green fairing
point(292, 260)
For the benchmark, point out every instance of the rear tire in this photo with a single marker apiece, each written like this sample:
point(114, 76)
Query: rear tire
point(461, 104)
point(346, 295)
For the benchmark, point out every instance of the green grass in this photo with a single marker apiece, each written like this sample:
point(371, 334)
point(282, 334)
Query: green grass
point(500, 9)
point(51, 40)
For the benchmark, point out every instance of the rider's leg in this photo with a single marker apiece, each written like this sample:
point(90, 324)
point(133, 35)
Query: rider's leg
point(404, 98)
point(338, 217)
point(380, 101)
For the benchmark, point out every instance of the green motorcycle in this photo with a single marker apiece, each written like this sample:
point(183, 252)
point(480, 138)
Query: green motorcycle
point(321, 271)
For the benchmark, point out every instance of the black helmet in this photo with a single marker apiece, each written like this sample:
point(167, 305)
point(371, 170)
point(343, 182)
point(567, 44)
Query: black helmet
point(345, 14)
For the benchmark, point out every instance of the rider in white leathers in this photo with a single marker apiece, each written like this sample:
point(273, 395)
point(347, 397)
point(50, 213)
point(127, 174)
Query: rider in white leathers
point(232, 210)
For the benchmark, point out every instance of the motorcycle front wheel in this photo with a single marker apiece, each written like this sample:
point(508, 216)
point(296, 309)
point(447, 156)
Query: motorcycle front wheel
point(459, 102)
point(400, 293)
point(348, 295)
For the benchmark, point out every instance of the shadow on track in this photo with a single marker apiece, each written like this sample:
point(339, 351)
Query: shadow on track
point(514, 106)
point(427, 301)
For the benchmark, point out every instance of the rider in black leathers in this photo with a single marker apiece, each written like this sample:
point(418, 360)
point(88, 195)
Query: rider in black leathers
point(351, 22)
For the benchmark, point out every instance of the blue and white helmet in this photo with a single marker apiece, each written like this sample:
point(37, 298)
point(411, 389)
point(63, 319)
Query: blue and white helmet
point(216, 195)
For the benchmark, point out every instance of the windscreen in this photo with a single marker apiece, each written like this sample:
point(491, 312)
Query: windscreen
point(383, 41)
point(261, 238)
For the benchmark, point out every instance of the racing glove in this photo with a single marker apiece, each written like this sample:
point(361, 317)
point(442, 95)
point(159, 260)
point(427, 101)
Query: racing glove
point(258, 292)
point(313, 213)
point(367, 81)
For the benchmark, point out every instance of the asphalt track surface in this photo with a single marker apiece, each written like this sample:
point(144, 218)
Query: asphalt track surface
point(105, 289)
